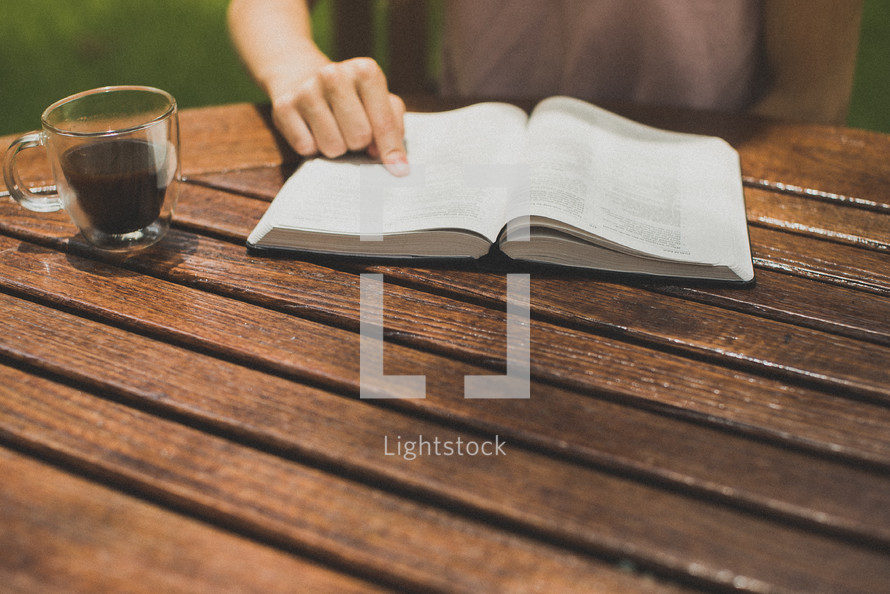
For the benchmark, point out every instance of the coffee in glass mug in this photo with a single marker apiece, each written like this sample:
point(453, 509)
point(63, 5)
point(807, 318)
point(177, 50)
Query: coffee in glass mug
point(114, 153)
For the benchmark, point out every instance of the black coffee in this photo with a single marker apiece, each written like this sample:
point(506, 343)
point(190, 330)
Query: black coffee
point(117, 184)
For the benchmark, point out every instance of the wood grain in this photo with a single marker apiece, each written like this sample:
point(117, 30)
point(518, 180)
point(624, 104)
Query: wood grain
point(221, 138)
point(341, 433)
point(392, 538)
point(276, 341)
point(62, 533)
point(694, 431)
point(814, 218)
point(841, 165)
point(342, 522)
point(781, 348)
point(749, 405)
point(824, 245)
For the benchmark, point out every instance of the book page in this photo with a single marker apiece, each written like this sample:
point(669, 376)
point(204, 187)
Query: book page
point(355, 196)
point(664, 194)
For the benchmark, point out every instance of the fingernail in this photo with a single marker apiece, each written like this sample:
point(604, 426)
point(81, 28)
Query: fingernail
point(398, 166)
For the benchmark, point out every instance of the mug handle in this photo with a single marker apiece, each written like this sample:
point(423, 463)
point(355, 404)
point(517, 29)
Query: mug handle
point(22, 195)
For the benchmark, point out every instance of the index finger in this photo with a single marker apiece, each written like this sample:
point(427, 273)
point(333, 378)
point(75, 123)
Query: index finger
point(386, 116)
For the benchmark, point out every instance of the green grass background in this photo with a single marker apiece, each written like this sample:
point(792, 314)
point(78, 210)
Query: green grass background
point(53, 48)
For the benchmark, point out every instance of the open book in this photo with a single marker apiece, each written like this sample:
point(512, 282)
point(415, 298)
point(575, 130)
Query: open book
point(572, 185)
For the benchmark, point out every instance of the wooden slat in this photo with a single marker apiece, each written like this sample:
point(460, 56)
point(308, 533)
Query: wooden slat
point(746, 402)
point(251, 139)
point(790, 253)
point(392, 538)
point(62, 533)
point(811, 241)
point(834, 163)
point(825, 262)
point(815, 218)
point(261, 183)
point(619, 367)
point(793, 300)
point(342, 522)
point(613, 367)
point(805, 158)
point(339, 433)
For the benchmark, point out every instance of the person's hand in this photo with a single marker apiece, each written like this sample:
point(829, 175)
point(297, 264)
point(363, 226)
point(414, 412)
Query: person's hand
point(344, 106)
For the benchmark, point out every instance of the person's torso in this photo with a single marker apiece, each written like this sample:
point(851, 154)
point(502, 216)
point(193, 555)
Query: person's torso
point(692, 53)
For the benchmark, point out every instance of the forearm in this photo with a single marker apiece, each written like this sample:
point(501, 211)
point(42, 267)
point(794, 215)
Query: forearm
point(274, 39)
point(318, 105)
point(811, 48)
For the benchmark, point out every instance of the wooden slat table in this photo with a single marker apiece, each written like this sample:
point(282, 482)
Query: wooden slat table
point(188, 419)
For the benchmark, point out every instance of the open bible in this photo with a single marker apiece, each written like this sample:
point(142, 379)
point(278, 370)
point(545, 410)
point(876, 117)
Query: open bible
point(571, 184)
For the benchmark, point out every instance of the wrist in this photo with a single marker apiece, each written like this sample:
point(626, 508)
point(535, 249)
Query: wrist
point(283, 76)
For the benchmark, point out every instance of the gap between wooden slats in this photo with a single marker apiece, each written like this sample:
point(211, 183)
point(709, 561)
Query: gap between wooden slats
point(774, 251)
point(278, 500)
point(835, 222)
point(318, 304)
point(58, 535)
point(357, 528)
point(709, 407)
point(829, 197)
point(819, 233)
point(830, 312)
point(873, 326)
point(218, 211)
point(299, 420)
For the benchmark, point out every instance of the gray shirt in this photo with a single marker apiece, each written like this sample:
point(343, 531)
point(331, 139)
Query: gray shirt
point(691, 53)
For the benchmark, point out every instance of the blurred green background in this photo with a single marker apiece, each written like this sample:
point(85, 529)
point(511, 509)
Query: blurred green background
point(53, 48)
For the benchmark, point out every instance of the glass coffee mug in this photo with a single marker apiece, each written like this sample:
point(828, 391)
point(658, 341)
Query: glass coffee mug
point(114, 154)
